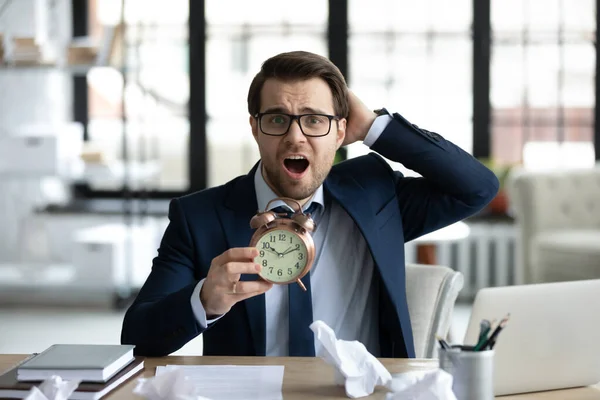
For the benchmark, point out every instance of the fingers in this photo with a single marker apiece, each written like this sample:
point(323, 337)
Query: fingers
point(233, 270)
point(236, 254)
point(223, 288)
point(246, 289)
point(227, 267)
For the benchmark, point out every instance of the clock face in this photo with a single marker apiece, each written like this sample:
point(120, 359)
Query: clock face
point(282, 255)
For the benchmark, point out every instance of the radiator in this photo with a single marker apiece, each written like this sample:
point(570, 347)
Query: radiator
point(487, 257)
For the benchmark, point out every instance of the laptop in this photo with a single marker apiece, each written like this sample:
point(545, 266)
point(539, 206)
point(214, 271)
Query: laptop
point(552, 339)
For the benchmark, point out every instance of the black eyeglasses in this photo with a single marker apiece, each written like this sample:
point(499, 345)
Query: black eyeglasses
point(278, 124)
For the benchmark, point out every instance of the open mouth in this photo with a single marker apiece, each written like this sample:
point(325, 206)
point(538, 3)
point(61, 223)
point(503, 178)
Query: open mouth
point(296, 164)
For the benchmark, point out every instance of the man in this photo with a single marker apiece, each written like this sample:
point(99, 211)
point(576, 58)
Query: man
point(204, 279)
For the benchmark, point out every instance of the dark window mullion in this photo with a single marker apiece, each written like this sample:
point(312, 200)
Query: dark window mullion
point(337, 44)
point(337, 34)
point(481, 78)
point(80, 26)
point(198, 150)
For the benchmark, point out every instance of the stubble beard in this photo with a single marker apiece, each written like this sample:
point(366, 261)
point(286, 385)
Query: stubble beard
point(297, 190)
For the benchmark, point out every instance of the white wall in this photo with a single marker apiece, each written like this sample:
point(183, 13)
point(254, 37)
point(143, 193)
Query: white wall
point(29, 95)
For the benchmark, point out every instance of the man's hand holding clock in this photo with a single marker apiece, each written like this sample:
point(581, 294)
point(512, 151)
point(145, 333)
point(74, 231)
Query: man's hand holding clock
point(222, 287)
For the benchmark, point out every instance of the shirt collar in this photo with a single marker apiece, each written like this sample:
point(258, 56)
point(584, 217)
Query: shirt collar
point(264, 194)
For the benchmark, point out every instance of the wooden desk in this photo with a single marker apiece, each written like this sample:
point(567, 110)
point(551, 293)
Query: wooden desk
point(311, 378)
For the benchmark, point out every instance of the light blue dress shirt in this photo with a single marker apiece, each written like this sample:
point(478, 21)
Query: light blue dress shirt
point(344, 293)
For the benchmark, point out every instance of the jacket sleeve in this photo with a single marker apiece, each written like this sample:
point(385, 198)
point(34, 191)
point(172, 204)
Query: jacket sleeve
point(161, 319)
point(453, 184)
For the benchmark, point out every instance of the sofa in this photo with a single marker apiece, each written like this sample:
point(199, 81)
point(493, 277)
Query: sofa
point(558, 216)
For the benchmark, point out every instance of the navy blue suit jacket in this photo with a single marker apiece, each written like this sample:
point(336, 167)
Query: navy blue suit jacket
point(389, 209)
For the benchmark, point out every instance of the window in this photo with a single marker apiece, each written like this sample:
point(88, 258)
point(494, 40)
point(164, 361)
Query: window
point(542, 82)
point(414, 58)
point(240, 36)
point(153, 69)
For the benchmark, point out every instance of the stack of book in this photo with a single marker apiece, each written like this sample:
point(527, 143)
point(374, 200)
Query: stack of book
point(25, 51)
point(82, 52)
point(100, 368)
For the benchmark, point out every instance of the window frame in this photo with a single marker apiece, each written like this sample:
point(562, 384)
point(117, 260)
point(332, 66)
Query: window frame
point(337, 41)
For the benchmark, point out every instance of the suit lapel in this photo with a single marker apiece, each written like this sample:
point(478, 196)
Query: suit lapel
point(240, 206)
point(350, 195)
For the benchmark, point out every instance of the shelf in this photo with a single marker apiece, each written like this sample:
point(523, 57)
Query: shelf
point(29, 274)
point(115, 172)
point(77, 70)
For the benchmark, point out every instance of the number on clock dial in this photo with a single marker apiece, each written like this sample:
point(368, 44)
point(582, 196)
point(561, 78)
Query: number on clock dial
point(282, 256)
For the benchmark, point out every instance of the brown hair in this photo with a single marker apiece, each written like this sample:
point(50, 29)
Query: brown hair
point(300, 65)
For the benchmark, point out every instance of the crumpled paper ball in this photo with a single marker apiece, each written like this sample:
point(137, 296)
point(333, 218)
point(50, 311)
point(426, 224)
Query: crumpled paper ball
point(357, 369)
point(421, 385)
point(360, 372)
point(53, 388)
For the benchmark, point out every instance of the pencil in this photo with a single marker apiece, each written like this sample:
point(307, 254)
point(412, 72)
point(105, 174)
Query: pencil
point(491, 342)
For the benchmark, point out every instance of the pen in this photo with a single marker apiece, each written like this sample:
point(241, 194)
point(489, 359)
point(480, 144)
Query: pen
point(485, 327)
point(443, 343)
point(491, 342)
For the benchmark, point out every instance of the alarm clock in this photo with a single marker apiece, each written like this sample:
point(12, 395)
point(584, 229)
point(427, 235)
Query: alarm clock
point(286, 250)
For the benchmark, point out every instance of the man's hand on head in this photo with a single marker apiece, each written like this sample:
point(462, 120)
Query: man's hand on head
point(360, 120)
point(223, 288)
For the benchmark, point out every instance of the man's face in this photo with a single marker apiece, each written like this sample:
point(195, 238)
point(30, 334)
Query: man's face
point(295, 165)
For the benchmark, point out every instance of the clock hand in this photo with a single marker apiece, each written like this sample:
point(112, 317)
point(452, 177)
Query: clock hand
point(273, 251)
point(286, 251)
point(289, 251)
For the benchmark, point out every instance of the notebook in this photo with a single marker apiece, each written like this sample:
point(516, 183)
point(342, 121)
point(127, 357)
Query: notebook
point(85, 362)
point(11, 388)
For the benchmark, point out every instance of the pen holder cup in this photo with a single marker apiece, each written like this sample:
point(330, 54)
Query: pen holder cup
point(472, 372)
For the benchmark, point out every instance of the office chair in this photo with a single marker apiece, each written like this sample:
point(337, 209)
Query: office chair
point(431, 292)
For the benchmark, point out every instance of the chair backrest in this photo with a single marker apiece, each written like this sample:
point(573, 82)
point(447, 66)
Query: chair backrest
point(431, 292)
point(552, 200)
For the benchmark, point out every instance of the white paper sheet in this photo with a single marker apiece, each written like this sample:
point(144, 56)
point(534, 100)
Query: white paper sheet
point(234, 382)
